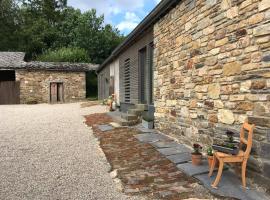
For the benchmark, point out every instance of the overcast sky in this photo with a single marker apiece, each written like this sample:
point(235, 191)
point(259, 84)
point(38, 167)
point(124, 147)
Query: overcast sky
point(123, 14)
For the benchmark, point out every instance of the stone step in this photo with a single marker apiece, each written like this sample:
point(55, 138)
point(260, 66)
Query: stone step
point(136, 112)
point(124, 122)
point(143, 107)
point(129, 117)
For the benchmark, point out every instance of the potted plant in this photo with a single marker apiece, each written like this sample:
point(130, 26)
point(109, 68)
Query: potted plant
point(109, 102)
point(230, 136)
point(148, 122)
point(196, 155)
point(225, 147)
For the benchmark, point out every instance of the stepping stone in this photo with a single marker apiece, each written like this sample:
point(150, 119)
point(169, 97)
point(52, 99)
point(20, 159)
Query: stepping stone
point(230, 186)
point(104, 128)
point(146, 130)
point(180, 158)
point(193, 170)
point(116, 125)
point(174, 150)
point(151, 137)
point(164, 144)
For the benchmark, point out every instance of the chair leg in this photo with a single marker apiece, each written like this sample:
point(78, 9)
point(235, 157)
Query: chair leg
point(244, 167)
point(212, 166)
point(220, 169)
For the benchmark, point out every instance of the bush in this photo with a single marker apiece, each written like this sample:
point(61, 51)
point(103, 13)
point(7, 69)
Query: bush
point(65, 55)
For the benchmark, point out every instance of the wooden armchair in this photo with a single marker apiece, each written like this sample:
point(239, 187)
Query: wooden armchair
point(241, 157)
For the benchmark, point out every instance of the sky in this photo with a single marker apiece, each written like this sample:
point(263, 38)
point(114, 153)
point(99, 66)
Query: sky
point(123, 14)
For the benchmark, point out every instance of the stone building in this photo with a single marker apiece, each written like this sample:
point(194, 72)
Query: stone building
point(126, 73)
point(211, 71)
point(40, 82)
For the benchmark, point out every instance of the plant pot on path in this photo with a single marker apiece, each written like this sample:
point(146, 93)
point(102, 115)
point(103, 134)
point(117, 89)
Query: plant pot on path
point(196, 155)
point(196, 159)
point(148, 124)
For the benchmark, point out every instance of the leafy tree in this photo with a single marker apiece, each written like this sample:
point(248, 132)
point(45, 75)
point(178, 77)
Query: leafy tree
point(9, 25)
point(39, 25)
point(65, 55)
point(87, 31)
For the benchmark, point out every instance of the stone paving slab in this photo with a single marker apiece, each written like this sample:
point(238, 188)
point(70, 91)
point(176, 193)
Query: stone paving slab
point(146, 130)
point(174, 150)
point(151, 137)
point(104, 128)
point(114, 124)
point(230, 186)
point(192, 170)
point(164, 144)
point(180, 158)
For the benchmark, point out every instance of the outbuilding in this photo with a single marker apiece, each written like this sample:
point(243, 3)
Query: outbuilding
point(41, 82)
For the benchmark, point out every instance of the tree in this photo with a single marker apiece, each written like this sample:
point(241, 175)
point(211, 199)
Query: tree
point(87, 31)
point(39, 25)
point(9, 25)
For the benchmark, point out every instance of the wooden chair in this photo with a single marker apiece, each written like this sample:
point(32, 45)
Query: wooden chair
point(241, 157)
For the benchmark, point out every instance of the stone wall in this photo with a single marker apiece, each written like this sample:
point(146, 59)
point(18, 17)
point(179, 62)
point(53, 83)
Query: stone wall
point(212, 60)
point(35, 85)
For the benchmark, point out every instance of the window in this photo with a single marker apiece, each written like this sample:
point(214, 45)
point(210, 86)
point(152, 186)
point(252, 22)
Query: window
point(143, 75)
point(151, 69)
point(127, 80)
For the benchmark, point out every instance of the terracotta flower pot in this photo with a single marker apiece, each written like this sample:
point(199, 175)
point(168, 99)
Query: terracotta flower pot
point(196, 159)
point(210, 161)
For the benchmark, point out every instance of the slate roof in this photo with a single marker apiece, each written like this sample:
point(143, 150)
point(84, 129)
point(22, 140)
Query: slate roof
point(9, 59)
point(60, 66)
point(15, 60)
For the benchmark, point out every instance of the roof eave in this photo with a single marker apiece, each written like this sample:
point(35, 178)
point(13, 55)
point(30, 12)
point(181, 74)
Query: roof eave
point(162, 8)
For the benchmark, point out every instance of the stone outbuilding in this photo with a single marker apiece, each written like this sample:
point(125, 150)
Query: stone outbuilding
point(40, 82)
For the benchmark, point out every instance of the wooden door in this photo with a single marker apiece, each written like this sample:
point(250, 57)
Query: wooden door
point(60, 92)
point(53, 92)
point(9, 92)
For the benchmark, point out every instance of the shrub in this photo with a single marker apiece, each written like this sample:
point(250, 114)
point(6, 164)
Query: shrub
point(65, 55)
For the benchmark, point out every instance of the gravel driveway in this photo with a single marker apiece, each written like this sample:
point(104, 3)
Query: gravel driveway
point(46, 152)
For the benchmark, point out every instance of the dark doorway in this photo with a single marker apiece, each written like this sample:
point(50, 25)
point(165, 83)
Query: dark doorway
point(56, 93)
point(91, 85)
point(9, 88)
point(143, 75)
point(7, 75)
point(151, 73)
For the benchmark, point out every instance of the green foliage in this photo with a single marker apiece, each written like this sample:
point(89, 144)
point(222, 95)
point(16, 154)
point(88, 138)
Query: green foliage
point(42, 26)
point(65, 55)
point(9, 25)
point(210, 151)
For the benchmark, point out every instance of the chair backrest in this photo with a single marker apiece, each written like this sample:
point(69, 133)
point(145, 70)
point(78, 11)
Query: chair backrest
point(248, 142)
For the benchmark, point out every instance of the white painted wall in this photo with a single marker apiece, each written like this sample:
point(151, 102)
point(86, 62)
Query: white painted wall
point(114, 71)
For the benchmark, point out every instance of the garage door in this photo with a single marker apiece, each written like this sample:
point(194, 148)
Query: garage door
point(9, 88)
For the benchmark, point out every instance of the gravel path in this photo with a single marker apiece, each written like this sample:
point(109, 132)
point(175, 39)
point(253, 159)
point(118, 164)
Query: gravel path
point(47, 152)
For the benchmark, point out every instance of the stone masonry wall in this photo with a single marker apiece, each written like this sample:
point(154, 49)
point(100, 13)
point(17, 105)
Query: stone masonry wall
point(35, 85)
point(212, 60)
